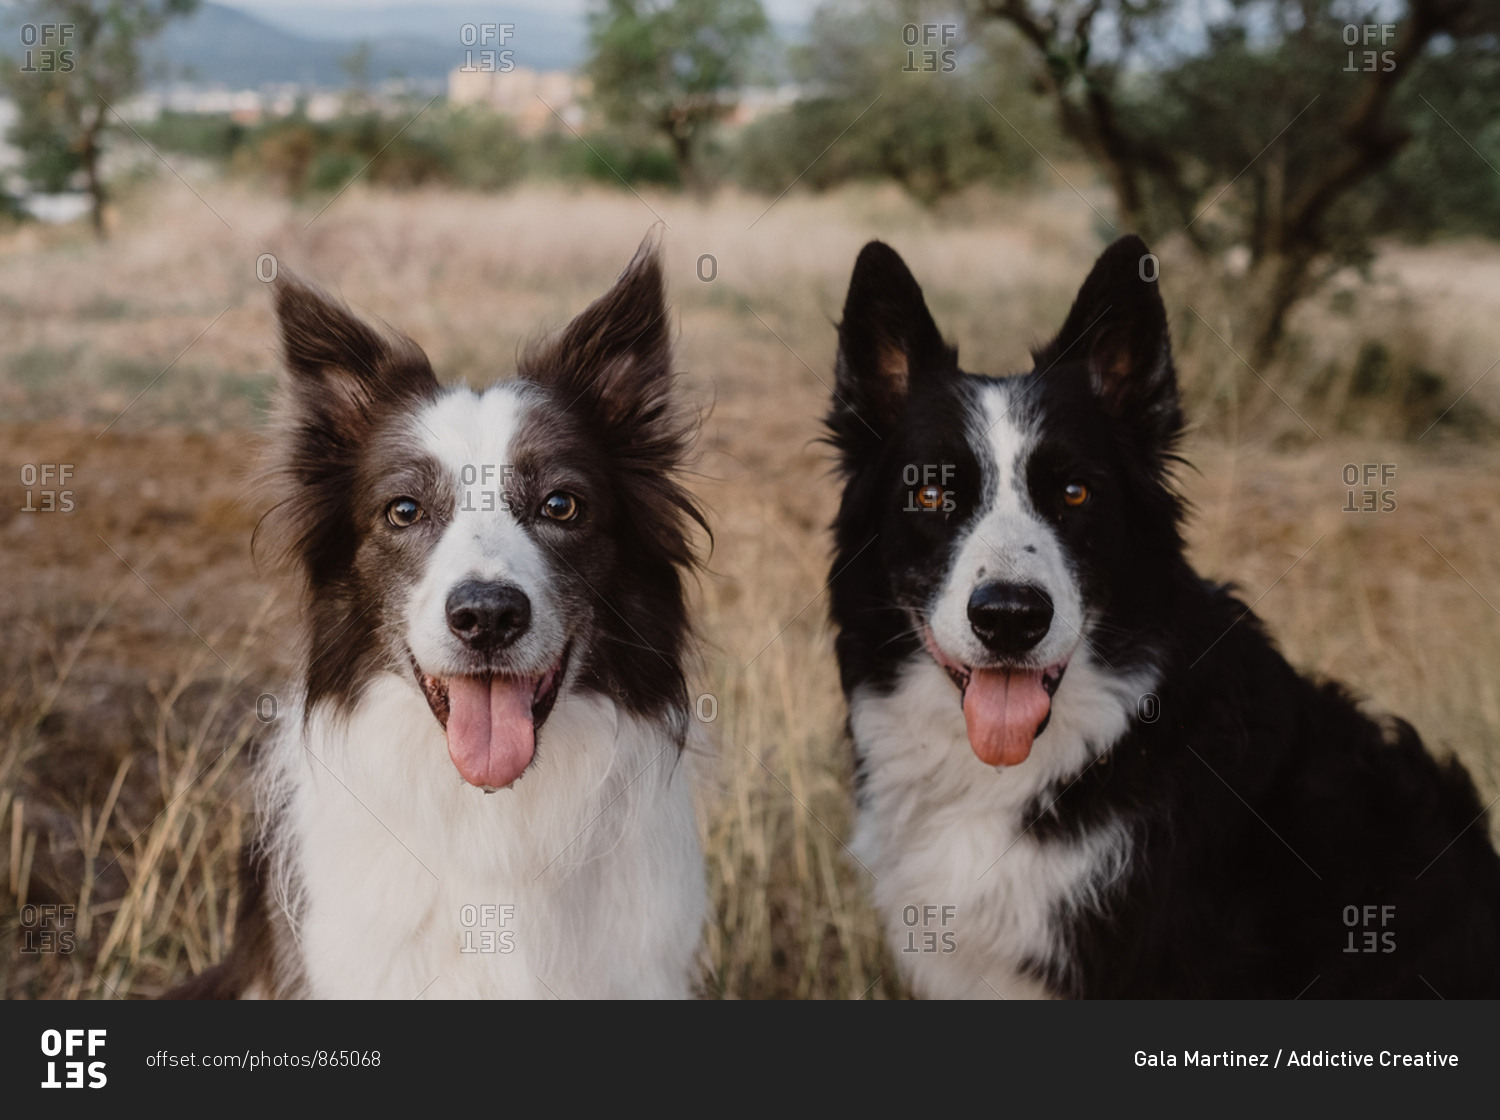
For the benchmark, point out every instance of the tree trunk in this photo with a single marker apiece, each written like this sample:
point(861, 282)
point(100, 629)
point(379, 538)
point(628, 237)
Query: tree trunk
point(685, 156)
point(1090, 122)
point(1294, 238)
point(1282, 282)
point(1121, 162)
point(90, 159)
point(682, 155)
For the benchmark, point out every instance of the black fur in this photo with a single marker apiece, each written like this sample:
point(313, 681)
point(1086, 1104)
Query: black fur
point(1261, 804)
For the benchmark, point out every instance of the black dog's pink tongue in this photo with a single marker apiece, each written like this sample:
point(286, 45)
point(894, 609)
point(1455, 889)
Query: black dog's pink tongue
point(1003, 708)
point(491, 735)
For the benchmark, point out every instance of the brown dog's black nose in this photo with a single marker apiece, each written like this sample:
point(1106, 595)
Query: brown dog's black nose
point(1010, 618)
point(488, 616)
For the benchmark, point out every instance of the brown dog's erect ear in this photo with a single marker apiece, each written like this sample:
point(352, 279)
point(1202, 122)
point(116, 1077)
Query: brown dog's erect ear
point(615, 357)
point(1119, 325)
point(887, 340)
point(340, 373)
point(614, 364)
point(340, 378)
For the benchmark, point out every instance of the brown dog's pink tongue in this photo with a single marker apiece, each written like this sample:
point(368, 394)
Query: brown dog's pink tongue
point(491, 735)
point(1004, 708)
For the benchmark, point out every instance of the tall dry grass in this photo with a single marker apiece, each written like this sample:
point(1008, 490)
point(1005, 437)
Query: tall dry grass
point(140, 633)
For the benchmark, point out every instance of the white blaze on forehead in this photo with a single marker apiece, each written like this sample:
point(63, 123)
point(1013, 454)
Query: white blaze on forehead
point(1007, 541)
point(470, 436)
point(998, 427)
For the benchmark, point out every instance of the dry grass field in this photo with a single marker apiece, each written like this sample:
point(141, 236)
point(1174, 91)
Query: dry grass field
point(138, 631)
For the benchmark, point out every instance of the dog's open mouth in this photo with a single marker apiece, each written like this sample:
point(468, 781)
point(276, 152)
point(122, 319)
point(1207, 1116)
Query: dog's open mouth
point(492, 720)
point(1005, 707)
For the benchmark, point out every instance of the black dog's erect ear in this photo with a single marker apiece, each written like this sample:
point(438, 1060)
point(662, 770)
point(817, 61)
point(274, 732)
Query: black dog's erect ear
point(1119, 324)
point(887, 340)
point(341, 374)
point(615, 357)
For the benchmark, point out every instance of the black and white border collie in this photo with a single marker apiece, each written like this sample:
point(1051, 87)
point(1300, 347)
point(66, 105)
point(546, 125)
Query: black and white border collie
point(480, 787)
point(1082, 770)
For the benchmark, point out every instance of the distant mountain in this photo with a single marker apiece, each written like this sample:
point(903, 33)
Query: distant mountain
point(544, 38)
point(222, 46)
point(306, 44)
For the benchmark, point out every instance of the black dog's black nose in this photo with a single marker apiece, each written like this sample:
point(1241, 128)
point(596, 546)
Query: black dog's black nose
point(1010, 618)
point(488, 616)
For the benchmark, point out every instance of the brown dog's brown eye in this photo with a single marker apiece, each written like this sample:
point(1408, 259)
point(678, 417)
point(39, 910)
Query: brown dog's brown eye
point(403, 512)
point(1075, 493)
point(559, 506)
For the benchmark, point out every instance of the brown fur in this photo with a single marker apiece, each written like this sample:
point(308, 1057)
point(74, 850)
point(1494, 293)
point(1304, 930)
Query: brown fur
point(600, 422)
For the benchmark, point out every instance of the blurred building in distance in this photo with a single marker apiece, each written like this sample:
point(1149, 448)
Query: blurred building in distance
point(533, 99)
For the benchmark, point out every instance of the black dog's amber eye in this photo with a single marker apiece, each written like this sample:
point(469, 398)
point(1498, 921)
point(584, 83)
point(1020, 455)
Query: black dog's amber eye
point(1075, 493)
point(559, 506)
point(403, 512)
point(930, 497)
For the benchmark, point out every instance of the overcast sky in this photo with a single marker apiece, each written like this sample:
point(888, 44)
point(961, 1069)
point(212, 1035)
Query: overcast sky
point(786, 11)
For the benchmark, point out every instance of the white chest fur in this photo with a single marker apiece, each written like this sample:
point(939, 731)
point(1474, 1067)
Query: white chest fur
point(966, 892)
point(583, 880)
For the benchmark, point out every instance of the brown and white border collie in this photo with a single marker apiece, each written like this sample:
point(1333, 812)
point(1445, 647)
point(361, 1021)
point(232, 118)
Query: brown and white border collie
point(479, 786)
